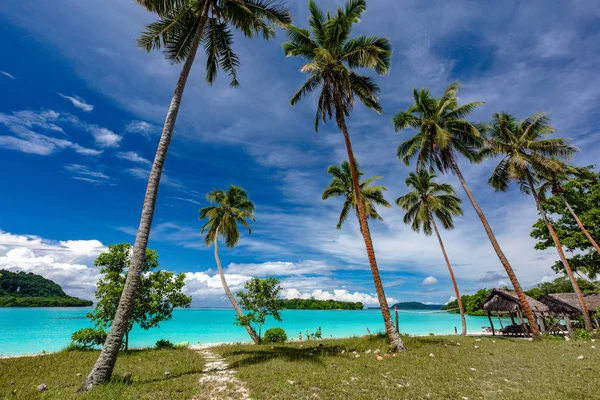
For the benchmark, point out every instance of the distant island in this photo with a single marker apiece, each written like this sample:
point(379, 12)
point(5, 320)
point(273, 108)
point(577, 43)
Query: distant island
point(313, 304)
point(413, 305)
point(21, 289)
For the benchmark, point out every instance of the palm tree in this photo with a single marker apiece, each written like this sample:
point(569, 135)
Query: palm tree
point(554, 181)
point(442, 133)
point(230, 209)
point(427, 201)
point(181, 27)
point(331, 59)
point(341, 186)
point(527, 156)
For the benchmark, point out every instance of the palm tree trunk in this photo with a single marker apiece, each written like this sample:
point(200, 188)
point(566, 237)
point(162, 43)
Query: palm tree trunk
point(238, 310)
point(460, 305)
point(509, 271)
point(561, 254)
point(105, 364)
point(393, 335)
point(585, 232)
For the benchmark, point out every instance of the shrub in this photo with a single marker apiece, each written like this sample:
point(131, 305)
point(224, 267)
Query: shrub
point(89, 337)
point(582, 334)
point(275, 335)
point(164, 344)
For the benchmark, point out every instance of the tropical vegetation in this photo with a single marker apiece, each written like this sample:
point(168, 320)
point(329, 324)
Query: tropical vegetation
point(314, 304)
point(260, 299)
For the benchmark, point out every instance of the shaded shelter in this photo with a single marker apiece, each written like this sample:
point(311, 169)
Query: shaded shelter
point(505, 302)
point(566, 305)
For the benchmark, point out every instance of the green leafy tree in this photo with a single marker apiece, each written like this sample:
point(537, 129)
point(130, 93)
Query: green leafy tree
point(341, 186)
point(228, 209)
point(471, 302)
point(574, 211)
point(182, 26)
point(159, 291)
point(427, 201)
point(260, 300)
point(443, 133)
point(559, 285)
point(527, 155)
point(332, 58)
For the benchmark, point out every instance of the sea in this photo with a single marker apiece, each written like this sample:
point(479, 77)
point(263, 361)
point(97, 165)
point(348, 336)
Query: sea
point(36, 330)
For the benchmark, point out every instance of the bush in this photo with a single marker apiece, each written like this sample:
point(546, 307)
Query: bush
point(582, 334)
point(89, 337)
point(164, 344)
point(275, 335)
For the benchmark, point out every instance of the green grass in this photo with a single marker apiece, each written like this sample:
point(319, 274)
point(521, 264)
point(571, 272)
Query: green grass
point(19, 377)
point(504, 369)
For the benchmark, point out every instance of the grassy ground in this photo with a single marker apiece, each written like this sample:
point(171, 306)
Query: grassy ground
point(499, 368)
point(19, 377)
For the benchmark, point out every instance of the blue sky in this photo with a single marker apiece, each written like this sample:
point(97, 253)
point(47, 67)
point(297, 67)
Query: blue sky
point(81, 110)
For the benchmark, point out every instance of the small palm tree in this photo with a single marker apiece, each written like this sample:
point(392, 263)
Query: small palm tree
point(181, 27)
point(341, 186)
point(526, 155)
point(553, 182)
point(427, 201)
point(228, 210)
point(331, 60)
point(442, 134)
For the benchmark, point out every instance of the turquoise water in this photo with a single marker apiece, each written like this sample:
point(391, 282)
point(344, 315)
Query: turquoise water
point(33, 330)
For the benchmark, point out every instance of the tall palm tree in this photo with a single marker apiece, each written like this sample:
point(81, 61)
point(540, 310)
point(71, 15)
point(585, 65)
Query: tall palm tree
point(230, 209)
point(331, 59)
point(442, 134)
point(427, 201)
point(553, 182)
point(181, 27)
point(341, 186)
point(526, 155)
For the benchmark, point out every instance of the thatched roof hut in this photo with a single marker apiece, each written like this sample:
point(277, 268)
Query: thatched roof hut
point(568, 303)
point(506, 301)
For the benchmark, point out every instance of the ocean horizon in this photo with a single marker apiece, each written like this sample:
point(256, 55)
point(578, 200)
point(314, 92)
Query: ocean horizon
point(25, 330)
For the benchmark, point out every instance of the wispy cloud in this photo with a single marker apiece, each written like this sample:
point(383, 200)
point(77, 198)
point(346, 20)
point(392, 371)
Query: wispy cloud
point(11, 76)
point(142, 127)
point(84, 173)
point(134, 157)
point(78, 102)
point(430, 280)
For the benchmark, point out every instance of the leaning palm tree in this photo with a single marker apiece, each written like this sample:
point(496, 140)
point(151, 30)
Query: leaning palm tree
point(442, 134)
point(553, 182)
point(228, 210)
point(181, 27)
point(427, 201)
point(526, 155)
point(331, 60)
point(341, 186)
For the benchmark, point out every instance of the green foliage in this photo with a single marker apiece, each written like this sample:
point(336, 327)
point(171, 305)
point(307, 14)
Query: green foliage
point(582, 334)
point(275, 335)
point(20, 289)
point(313, 304)
point(158, 294)
point(341, 186)
point(471, 303)
point(583, 194)
point(415, 305)
point(89, 337)
point(317, 335)
point(260, 300)
point(559, 285)
point(164, 344)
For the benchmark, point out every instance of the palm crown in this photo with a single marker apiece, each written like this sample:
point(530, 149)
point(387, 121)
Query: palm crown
point(179, 19)
point(526, 154)
point(331, 57)
point(230, 209)
point(341, 186)
point(428, 199)
point(441, 129)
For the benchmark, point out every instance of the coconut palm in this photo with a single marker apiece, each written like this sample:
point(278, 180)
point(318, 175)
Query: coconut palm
point(526, 156)
point(341, 186)
point(442, 134)
point(427, 201)
point(553, 182)
point(181, 27)
point(331, 60)
point(228, 210)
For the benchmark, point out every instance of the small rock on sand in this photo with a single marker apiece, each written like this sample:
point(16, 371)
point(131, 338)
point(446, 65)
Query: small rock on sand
point(78, 374)
point(377, 351)
point(476, 347)
point(379, 358)
point(368, 351)
point(478, 340)
point(581, 357)
point(291, 382)
point(431, 355)
point(167, 373)
point(594, 347)
point(42, 387)
point(357, 356)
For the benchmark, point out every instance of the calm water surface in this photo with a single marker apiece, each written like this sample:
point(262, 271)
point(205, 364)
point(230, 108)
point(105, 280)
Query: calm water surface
point(32, 330)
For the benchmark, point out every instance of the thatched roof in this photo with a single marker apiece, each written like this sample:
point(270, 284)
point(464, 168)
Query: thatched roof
point(568, 303)
point(505, 301)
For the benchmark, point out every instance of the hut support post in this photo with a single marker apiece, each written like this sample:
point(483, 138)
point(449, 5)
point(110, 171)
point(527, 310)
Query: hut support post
point(397, 326)
point(499, 320)
point(569, 326)
point(491, 323)
point(512, 318)
point(542, 324)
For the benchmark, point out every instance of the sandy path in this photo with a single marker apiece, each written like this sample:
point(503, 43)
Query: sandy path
point(218, 380)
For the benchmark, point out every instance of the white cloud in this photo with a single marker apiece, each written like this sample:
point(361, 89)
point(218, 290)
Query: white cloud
point(142, 127)
point(134, 157)
point(337, 294)
point(78, 102)
point(8, 75)
point(281, 268)
point(104, 137)
point(84, 173)
point(430, 280)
